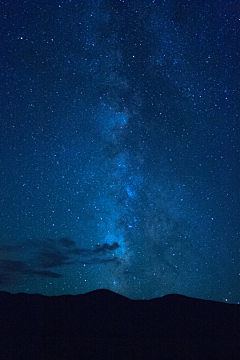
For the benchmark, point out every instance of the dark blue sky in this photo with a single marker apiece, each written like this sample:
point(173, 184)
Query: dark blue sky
point(120, 148)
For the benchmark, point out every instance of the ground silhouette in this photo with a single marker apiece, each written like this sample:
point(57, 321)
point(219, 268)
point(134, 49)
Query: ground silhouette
point(104, 325)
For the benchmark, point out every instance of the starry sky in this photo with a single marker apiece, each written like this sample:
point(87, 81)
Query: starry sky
point(119, 147)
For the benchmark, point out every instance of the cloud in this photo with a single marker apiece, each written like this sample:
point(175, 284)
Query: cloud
point(15, 266)
point(67, 242)
point(79, 251)
point(47, 273)
point(43, 255)
point(98, 260)
point(51, 258)
point(106, 247)
point(101, 254)
point(12, 266)
point(6, 249)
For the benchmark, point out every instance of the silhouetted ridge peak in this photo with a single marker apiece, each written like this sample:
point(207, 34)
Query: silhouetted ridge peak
point(104, 292)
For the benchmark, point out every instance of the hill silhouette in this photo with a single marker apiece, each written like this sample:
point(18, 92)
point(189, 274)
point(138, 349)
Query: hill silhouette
point(104, 325)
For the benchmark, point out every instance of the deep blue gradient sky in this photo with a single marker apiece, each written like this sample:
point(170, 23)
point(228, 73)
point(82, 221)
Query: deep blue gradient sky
point(120, 148)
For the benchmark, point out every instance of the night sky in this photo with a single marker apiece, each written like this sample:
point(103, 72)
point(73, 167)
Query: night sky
point(119, 143)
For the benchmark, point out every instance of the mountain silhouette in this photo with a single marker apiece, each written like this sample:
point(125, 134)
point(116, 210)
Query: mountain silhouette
point(104, 325)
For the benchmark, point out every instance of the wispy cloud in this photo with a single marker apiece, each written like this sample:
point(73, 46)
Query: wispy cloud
point(43, 256)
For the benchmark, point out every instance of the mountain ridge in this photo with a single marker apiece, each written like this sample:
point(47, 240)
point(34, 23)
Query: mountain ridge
point(135, 328)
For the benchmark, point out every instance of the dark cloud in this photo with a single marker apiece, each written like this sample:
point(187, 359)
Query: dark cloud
point(5, 249)
point(13, 266)
point(101, 260)
point(106, 247)
point(67, 242)
point(99, 255)
point(8, 267)
point(99, 249)
point(51, 258)
point(79, 251)
point(50, 253)
point(46, 273)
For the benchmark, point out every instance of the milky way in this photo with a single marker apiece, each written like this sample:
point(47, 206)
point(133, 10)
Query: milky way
point(119, 148)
